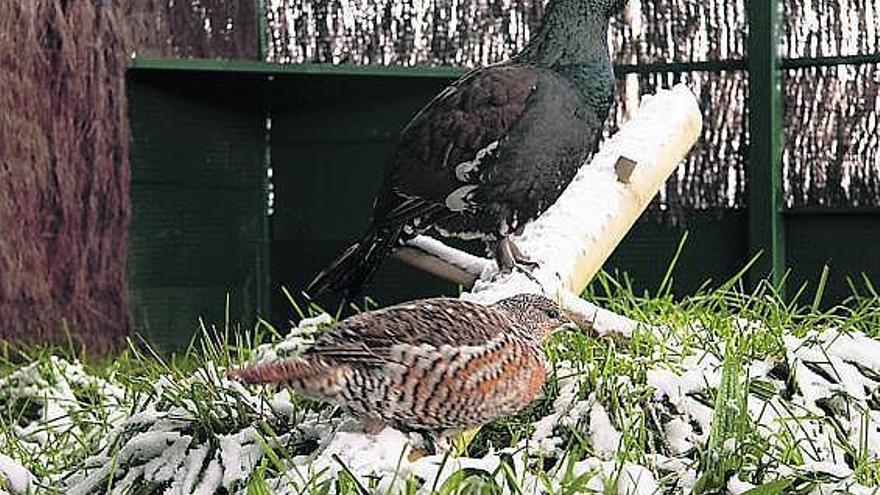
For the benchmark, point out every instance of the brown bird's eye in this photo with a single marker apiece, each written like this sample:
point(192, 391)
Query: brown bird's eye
point(552, 314)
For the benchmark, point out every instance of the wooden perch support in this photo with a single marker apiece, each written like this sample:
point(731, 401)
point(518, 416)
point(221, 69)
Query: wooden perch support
point(432, 256)
point(573, 239)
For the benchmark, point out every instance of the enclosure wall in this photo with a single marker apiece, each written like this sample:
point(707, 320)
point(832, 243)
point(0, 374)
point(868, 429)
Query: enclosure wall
point(64, 203)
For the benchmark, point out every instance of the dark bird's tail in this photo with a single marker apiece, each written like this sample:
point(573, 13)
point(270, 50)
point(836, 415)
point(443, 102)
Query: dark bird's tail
point(355, 267)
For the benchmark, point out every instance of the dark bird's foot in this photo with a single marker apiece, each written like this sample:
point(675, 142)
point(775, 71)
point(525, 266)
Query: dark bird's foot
point(508, 256)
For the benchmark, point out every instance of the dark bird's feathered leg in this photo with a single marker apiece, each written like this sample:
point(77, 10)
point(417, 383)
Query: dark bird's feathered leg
point(508, 256)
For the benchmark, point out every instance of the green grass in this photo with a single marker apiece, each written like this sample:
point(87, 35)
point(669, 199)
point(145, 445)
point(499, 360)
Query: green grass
point(188, 400)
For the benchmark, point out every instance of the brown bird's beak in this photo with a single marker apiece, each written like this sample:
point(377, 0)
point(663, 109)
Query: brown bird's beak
point(569, 327)
point(577, 322)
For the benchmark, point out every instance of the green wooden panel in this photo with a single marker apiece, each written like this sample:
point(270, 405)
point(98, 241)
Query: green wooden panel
point(846, 242)
point(198, 192)
point(324, 191)
point(715, 250)
point(344, 109)
point(168, 317)
point(331, 139)
point(199, 230)
point(174, 226)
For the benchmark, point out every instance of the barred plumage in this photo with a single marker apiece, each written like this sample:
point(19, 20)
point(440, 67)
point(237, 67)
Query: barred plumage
point(432, 364)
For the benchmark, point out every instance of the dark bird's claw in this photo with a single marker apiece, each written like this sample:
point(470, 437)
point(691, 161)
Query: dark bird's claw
point(526, 265)
point(527, 271)
point(508, 256)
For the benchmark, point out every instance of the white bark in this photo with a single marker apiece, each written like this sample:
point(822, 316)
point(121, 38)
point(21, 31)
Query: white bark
point(434, 257)
point(575, 236)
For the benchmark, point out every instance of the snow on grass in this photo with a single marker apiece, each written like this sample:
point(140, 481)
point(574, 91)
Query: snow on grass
point(728, 393)
point(195, 434)
point(14, 478)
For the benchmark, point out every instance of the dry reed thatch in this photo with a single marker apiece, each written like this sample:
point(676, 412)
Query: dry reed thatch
point(187, 29)
point(63, 173)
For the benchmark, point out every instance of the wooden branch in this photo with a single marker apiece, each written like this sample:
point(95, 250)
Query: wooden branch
point(573, 238)
point(436, 258)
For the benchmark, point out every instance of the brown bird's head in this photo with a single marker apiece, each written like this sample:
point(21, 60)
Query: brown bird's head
point(536, 313)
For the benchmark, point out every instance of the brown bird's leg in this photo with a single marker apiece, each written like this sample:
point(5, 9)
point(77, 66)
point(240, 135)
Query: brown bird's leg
point(421, 445)
point(443, 442)
point(362, 424)
point(372, 426)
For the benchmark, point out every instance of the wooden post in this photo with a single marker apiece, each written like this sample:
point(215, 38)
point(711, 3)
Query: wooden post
point(764, 169)
point(263, 33)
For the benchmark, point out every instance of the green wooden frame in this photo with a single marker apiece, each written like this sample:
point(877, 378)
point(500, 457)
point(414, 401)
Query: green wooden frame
point(270, 68)
point(766, 229)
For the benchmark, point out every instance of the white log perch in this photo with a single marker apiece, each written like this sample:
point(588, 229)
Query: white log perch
point(573, 238)
point(434, 257)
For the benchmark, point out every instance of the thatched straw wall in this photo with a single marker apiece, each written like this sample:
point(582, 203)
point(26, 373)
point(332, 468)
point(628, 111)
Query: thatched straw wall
point(189, 29)
point(63, 173)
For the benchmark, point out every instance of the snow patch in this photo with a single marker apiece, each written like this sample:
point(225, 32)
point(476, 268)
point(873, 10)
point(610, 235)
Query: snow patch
point(15, 477)
point(603, 436)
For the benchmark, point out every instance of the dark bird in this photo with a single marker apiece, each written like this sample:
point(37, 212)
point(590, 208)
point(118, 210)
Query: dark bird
point(494, 149)
point(428, 365)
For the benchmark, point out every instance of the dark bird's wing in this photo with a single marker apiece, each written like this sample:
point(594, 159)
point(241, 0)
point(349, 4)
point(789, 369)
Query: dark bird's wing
point(436, 167)
point(443, 145)
point(369, 337)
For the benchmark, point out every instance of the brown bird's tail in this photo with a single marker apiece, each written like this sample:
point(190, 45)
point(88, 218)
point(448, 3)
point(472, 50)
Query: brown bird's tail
point(310, 376)
point(355, 267)
point(293, 370)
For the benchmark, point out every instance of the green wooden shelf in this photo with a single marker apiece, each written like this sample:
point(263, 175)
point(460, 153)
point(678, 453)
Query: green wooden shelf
point(270, 69)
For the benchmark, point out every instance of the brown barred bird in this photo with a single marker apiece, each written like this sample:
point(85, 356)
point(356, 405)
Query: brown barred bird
point(495, 149)
point(432, 365)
